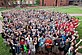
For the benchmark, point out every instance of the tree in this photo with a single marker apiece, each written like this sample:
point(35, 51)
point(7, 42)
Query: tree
point(37, 2)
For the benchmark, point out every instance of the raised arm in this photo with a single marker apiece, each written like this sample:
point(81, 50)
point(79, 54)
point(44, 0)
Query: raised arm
point(78, 42)
point(80, 47)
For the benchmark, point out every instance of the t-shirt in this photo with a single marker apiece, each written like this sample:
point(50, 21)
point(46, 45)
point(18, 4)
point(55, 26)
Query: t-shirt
point(41, 42)
point(22, 42)
point(64, 37)
point(49, 42)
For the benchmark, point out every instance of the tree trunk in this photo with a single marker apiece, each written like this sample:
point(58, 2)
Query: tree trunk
point(6, 3)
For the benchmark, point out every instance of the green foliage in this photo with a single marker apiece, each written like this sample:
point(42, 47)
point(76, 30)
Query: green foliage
point(37, 2)
point(2, 9)
point(1, 18)
point(29, 4)
point(4, 50)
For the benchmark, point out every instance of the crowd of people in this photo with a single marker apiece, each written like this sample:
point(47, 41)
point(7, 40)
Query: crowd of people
point(29, 32)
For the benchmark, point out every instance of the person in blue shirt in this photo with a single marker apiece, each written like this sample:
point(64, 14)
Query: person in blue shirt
point(41, 44)
point(63, 37)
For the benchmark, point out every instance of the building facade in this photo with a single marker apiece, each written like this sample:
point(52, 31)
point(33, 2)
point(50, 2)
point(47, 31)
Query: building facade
point(42, 2)
point(10, 2)
point(26, 1)
point(54, 2)
point(1, 3)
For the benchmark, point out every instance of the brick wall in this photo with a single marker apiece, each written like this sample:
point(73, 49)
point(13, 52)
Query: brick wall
point(54, 3)
point(49, 2)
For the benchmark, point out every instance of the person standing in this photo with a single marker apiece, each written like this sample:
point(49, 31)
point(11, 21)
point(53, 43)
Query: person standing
point(48, 43)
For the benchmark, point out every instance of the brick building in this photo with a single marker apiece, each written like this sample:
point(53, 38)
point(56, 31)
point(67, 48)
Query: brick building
point(1, 2)
point(42, 2)
point(26, 1)
point(54, 2)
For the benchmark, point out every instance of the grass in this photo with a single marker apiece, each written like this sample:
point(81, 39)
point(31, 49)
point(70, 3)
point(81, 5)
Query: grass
point(66, 9)
point(2, 9)
point(79, 29)
point(4, 50)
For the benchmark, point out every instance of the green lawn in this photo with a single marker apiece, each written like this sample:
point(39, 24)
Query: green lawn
point(79, 29)
point(2, 9)
point(64, 9)
point(4, 50)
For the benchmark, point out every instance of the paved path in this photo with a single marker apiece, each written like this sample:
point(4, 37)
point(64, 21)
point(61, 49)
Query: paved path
point(75, 14)
point(69, 14)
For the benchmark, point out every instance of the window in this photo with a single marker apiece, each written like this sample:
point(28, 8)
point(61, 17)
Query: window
point(30, 2)
point(26, 2)
point(18, 2)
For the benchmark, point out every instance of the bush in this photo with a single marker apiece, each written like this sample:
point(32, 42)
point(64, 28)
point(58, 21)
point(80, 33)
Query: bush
point(29, 4)
point(37, 2)
point(36, 5)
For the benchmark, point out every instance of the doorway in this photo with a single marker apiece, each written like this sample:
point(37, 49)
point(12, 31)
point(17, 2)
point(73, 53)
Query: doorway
point(42, 2)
